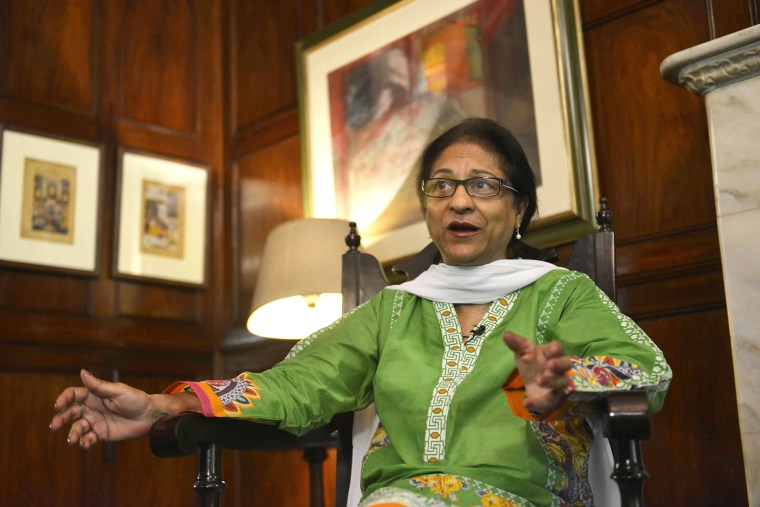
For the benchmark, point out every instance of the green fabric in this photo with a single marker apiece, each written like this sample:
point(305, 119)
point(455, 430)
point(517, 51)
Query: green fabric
point(392, 351)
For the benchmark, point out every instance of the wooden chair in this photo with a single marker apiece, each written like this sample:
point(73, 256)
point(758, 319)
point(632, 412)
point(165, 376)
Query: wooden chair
point(625, 415)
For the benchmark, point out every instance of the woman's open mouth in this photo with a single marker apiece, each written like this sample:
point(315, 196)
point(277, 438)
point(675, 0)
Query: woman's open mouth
point(462, 229)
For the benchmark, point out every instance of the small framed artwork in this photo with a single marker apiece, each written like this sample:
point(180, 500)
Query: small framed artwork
point(49, 193)
point(162, 220)
point(377, 87)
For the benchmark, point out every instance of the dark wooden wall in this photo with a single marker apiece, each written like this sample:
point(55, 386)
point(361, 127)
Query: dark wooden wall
point(214, 83)
point(654, 165)
point(140, 75)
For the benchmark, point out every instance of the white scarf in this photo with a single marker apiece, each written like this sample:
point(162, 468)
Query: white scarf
point(475, 284)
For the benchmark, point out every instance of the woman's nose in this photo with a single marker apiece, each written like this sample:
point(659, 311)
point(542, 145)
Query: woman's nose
point(461, 200)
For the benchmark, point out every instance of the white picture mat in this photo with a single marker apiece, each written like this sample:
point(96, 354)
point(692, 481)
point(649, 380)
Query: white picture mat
point(554, 200)
point(79, 255)
point(131, 260)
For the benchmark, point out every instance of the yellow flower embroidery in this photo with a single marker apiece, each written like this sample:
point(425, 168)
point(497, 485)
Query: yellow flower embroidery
point(491, 500)
point(442, 485)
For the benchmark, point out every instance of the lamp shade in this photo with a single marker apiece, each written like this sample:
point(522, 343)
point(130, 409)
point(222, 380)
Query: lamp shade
point(299, 284)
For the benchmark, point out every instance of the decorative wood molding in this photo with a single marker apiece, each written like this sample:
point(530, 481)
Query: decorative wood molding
point(717, 63)
point(45, 359)
point(668, 254)
point(274, 129)
point(690, 293)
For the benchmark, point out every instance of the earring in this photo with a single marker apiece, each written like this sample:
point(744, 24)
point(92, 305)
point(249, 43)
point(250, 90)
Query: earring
point(518, 235)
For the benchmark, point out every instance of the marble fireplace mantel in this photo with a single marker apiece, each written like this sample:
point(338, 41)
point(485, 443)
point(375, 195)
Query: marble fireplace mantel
point(726, 71)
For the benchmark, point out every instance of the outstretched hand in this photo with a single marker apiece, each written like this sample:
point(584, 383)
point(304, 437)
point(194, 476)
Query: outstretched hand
point(542, 368)
point(103, 411)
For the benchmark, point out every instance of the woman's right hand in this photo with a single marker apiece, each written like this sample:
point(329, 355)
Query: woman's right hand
point(102, 411)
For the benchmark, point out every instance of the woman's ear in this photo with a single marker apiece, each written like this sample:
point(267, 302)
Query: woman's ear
point(521, 207)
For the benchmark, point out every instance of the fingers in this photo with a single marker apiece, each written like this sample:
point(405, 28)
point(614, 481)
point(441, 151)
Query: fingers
point(69, 404)
point(522, 346)
point(69, 396)
point(553, 376)
point(551, 349)
point(557, 383)
point(517, 343)
point(102, 388)
point(559, 365)
point(81, 428)
point(82, 433)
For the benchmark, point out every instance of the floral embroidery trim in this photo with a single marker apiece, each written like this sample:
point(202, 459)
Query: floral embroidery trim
point(458, 361)
point(567, 444)
point(391, 495)
point(444, 487)
point(600, 373)
point(222, 398)
point(471, 493)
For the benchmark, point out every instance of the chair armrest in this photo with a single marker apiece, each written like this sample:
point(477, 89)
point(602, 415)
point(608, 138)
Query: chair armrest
point(183, 434)
point(626, 420)
point(626, 415)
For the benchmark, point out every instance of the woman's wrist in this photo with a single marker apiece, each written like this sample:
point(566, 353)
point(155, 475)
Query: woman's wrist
point(169, 405)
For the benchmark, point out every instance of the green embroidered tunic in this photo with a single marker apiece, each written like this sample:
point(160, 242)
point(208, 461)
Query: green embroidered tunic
point(447, 433)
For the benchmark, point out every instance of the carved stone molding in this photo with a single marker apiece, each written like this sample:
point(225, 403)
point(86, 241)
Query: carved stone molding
point(717, 63)
point(703, 78)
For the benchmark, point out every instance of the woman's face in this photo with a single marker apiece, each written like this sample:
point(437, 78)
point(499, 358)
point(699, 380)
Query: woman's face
point(467, 230)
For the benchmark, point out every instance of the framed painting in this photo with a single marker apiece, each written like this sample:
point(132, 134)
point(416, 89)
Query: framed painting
point(49, 192)
point(162, 220)
point(376, 88)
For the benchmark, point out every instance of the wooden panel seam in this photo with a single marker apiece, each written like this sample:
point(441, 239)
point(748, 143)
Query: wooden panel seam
point(614, 13)
point(264, 133)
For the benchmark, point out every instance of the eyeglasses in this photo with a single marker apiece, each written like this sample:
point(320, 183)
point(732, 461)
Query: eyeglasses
point(475, 187)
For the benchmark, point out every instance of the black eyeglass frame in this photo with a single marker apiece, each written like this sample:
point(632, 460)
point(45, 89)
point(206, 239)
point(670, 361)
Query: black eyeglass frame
point(502, 183)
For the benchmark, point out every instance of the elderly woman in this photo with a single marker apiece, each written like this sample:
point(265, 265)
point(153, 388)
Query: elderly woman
point(431, 355)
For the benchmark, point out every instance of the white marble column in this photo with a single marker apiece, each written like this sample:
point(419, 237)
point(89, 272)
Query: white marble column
point(727, 72)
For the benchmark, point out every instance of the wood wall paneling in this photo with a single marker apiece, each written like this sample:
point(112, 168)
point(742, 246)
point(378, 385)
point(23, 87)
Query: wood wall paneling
point(171, 480)
point(68, 358)
point(654, 166)
point(653, 154)
point(160, 64)
point(333, 10)
point(280, 476)
point(145, 76)
point(20, 291)
point(689, 293)
point(263, 73)
point(31, 456)
point(41, 469)
point(670, 252)
point(49, 53)
point(695, 456)
point(151, 334)
point(141, 300)
point(729, 16)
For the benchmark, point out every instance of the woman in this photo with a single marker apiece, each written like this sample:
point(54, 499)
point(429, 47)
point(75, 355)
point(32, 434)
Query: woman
point(430, 354)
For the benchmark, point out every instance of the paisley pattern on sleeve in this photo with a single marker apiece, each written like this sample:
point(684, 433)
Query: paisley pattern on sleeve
point(222, 398)
point(600, 373)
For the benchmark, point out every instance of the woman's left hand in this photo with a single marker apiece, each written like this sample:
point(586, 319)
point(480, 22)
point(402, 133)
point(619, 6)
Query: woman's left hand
point(542, 368)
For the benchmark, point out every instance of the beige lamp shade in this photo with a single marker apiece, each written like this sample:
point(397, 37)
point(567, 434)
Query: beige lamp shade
point(299, 285)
